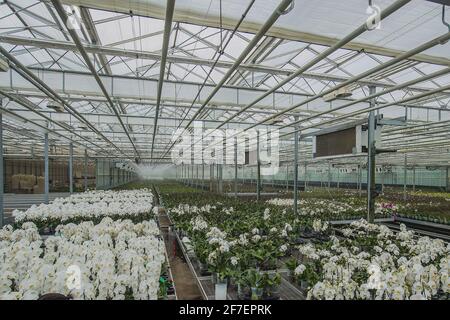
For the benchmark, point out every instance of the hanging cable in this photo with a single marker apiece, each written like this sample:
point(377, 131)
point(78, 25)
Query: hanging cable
point(221, 51)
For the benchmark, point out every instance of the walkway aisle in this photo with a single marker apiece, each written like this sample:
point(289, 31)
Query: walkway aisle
point(183, 278)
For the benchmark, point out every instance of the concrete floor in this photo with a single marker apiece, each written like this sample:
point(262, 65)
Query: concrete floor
point(12, 201)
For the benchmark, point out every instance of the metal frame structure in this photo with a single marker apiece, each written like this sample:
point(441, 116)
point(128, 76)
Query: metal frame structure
point(126, 80)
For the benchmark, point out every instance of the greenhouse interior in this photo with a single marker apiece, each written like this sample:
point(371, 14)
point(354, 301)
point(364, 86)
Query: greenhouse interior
point(224, 150)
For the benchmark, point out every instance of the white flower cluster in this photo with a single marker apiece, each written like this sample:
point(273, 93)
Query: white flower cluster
point(217, 237)
point(282, 202)
point(198, 223)
point(183, 209)
point(90, 204)
point(317, 207)
point(113, 259)
point(319, 226)
point(400, 266)
point(299, 269)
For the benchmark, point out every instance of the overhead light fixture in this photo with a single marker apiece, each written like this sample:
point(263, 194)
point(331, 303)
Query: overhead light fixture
point(338, 94)
point(58, 107)
point(4, 66)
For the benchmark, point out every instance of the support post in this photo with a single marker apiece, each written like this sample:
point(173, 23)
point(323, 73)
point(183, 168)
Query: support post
point(235, 168)
point(71, 168)
point(211, 177)
point(2, 181)
point(338, 178)
point(296, 170)
point(218, 178)
point(258, 178)
point(329, 175)
point(46, 184)
point(105, 174)
point(414, 178)
point(85, 170)
point(359, 184)
point(196, 177)
point(221, 178)
point(287, 177)
point(306, 176)
point(371, 161)
point(203, 175)
point(405, 173)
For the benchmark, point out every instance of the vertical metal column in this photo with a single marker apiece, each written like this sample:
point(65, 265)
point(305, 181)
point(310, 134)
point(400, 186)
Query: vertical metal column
point(203, 175)
point(107, 174)
point(71, 168)
point(287, 177)
point(211, 177)
point(258, 178)
point(359, 183)
point(2, 181)
point(329, 175)
point(46, 186)
point(306, 176)
point(371, 161)
point(85, 170)
point(338, 178)
point(296, 169)
point(220, 177)
point(235, 168)
point(405, 173)
point(414, 178)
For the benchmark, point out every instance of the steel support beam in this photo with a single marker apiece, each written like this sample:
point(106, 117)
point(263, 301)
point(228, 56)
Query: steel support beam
point(85, 170)
point(441, 39)
point(170, 6)
point(258, 169)
point(296, 138)
point(361, 29)
point(2, 174)
point(71, 168)
point(63, 15)
point(235, 168)
point(42, 86)
point(136, 54)
point(250, 46)
point(405, 176)
point(46, 168)
point(186, 16)
point(329, 175)
point(287, 177)
point(371, 143)
point(220, 168)
point(306, 176)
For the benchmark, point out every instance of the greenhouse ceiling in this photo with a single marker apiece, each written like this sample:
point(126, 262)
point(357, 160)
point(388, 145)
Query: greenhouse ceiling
point(119, 77)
